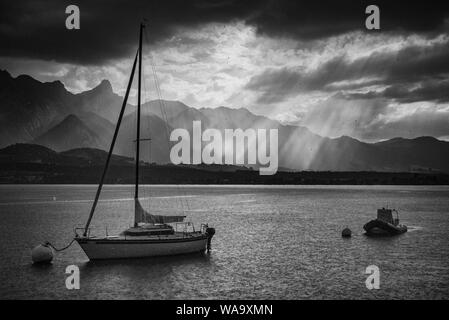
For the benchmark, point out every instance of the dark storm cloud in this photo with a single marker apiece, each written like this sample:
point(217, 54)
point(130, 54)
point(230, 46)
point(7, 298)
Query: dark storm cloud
point(427, 91)
point(276, 85)
point(422, 66)
point(320, 19)
point(109, 29)
point(36, 29)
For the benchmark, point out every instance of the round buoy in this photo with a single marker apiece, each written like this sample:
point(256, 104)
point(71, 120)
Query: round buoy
point(346, 233)
point(42, 253)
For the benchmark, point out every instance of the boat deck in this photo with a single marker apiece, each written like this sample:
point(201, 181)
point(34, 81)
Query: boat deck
point(174, 236)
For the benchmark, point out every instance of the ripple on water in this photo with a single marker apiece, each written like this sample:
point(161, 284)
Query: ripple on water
point(271, 242)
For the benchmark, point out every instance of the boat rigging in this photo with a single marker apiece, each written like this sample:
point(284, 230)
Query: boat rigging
point(151, 235)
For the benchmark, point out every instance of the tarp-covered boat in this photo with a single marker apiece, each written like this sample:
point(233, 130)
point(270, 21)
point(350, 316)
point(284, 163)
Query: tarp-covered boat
point(385, 224)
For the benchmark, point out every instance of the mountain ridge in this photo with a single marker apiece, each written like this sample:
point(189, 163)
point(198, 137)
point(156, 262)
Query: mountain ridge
point(70, 131)
point(46, 113)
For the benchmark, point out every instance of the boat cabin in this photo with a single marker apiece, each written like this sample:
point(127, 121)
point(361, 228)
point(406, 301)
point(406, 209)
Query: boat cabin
point(387, 216)
point(150, 229)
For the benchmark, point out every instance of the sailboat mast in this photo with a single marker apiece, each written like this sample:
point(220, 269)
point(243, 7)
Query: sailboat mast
point(136, 193)
point(111, 148)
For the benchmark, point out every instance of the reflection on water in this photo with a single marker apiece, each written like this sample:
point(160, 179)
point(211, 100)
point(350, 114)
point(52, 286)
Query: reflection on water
point(271, 242)
point(147, 265)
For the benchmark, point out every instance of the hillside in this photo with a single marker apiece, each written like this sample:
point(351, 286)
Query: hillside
point(49, 115)
point(27, 163)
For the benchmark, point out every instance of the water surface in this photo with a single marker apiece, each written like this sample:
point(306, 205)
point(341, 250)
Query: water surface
point(272, 242)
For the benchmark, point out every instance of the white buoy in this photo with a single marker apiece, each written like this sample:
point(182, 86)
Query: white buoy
point(42, 253)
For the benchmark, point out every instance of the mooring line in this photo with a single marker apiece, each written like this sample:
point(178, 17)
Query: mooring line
point(62, 249)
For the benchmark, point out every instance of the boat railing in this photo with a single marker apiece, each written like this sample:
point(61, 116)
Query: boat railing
point(95, 231)
point(204, 227)
point(186, 227)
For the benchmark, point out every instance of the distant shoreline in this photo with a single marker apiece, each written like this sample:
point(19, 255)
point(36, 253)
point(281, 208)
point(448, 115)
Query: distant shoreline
point(221, 185)
point(35, 164)
point(166, 175)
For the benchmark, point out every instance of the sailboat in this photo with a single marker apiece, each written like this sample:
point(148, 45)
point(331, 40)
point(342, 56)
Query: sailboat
point(151, 235)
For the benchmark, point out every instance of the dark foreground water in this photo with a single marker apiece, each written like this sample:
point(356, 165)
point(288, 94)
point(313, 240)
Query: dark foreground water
point(271, 242)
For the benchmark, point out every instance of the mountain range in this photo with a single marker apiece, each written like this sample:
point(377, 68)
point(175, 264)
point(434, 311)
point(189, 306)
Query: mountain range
point(22, 163)
point(49, 115)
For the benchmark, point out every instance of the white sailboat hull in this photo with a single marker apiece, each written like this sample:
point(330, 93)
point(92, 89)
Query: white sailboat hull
point(100, 249)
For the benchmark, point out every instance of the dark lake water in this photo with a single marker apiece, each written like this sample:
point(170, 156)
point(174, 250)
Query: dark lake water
point(280, 242)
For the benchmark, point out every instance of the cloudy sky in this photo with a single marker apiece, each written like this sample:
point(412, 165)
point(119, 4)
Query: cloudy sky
point(310, 63)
